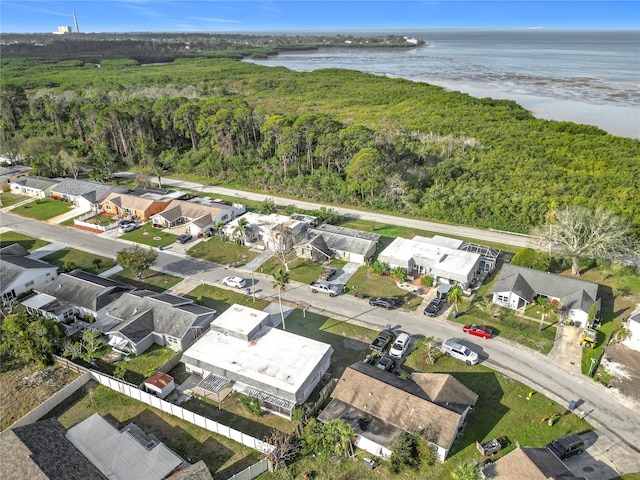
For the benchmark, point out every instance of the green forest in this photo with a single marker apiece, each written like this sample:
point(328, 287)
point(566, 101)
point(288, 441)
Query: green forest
point(335, 136)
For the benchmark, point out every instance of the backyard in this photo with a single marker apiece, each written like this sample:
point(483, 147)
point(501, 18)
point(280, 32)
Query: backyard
point(223, 456)
point(220, 299)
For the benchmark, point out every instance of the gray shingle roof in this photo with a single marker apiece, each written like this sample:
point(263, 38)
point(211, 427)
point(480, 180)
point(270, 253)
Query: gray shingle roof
point(527, 282)
point(345, 239)
point(85, 290)
point(41, 451)
point(197, 471)
point(13, 262)
point(142, 315)
point(39, 183)
point(77, 188)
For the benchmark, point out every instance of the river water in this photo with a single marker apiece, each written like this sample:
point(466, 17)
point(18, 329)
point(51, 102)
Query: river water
point(590, 77)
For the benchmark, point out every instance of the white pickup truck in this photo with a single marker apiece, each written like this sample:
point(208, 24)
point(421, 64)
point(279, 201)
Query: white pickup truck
point(326, 287)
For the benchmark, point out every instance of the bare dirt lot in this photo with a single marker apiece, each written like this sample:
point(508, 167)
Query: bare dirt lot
point(623, 364)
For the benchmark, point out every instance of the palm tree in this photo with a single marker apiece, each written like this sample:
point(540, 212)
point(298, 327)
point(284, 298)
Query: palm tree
point(280, 281)
point(239, 233)
point(455, 296)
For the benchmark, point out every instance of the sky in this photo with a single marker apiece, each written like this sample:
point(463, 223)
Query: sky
point(25, 16)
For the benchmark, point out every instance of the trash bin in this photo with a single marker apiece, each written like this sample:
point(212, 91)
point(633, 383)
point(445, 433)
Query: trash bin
point(247, 291)
point(454, 314)
point(160, 247)
point(572, 405)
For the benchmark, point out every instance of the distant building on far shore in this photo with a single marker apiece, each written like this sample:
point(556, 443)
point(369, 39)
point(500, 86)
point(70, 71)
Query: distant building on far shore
point(63, 30)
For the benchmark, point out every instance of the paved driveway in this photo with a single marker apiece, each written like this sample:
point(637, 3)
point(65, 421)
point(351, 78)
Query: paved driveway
point(567, 352)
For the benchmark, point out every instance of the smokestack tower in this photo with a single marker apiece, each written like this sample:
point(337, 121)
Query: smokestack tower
point(75, 20)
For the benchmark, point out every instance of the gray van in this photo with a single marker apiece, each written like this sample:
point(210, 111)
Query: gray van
point(567, 446)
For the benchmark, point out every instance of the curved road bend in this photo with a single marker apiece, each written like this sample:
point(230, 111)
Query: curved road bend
point(507, 238)
point(614, 417)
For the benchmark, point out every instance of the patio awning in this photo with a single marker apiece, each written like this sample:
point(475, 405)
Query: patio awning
point(444, 288)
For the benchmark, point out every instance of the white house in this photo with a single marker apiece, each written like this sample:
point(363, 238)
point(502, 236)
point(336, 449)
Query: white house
point(380, 406)
point(84, 195)
point(38, 187)
point(263, 229)
point(141, 318)
point(633, 325)
point(243, 349)
point(439, 257)
point(518, 286)
point(20, 274)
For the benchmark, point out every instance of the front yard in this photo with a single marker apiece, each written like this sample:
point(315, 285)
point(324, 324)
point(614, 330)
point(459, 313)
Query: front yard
point(223, 253)
point(8, 198)
point(43, 209)
point(220, 299)
point(151, 236)
point(151, 280)
point(73, 258)
point(366, 284)
point(28, 243)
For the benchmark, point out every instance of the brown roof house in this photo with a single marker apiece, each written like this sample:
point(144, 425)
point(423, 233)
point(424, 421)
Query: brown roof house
point(198, 215)
point(380, 405)
point(530, 464)
point(41, 451)
point(122, 204)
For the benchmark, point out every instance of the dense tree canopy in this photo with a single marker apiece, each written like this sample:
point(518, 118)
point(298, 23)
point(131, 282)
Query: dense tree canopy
point(31, 339)
point(335, 136)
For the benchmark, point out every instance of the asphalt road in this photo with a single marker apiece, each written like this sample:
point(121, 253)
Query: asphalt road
point(615, 418)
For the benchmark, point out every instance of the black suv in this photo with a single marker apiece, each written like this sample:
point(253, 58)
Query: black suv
point(567, 446)
point(433, 308)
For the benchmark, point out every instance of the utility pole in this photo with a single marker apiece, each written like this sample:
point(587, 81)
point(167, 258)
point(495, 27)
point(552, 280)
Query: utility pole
point(253, 285)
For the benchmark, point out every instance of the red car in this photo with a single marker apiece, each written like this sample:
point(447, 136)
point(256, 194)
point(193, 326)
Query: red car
point(478, 331)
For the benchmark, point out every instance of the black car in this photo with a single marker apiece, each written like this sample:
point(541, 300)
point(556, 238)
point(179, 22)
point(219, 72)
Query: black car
point(386, 363)
point(184, 238)
point(382, 302)
point(433, 308)
point(567, 446)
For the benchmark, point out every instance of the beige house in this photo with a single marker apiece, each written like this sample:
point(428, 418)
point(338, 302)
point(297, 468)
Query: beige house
point(122, 204)
point(197, 215)
point(530, 464)
point(380, 405)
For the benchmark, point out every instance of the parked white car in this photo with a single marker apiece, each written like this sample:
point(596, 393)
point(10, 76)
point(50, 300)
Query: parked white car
point(128, 227)
point(236, 282)
point(456, 350)
point(400, 345)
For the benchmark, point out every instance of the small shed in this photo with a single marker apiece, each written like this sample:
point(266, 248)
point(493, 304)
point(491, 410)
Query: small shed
point(160, 384)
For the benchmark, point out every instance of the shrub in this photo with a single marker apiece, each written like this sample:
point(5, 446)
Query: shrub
point(379, 268)
point(399, 274)
point(426, 281)
point(253, 405)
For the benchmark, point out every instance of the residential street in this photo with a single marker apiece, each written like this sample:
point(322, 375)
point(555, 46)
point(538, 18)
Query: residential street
point(506, 238)
point(615, 418)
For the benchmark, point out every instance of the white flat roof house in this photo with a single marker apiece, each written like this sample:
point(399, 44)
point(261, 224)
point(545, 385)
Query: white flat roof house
point(264, 228)
point(437, 256)
point(633, 325)
point(278, 367)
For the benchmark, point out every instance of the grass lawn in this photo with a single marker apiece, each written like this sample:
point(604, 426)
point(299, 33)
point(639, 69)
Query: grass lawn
point(29, 243)
point(223, 456)
point(364, 283)
point(151, 236)
point(143, 366)
point(7, 199)
point(220, 299)
point(151, 280)
point(300, 269)
point(350, 342)
point(234, 414)
point(43, 209)
point(80, 259)
point(17, 398)
point(222, 253)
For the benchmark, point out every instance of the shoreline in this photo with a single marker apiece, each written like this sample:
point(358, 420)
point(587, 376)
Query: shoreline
point(621, 121)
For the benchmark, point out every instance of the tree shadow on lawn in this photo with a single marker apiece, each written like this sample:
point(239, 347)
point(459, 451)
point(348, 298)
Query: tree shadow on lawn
point(487, 412)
